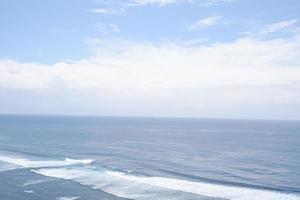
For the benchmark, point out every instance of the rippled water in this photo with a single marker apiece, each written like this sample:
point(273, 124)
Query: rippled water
point(68, 158)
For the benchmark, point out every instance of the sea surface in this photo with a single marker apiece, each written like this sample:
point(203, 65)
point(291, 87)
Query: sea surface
point(69, 158)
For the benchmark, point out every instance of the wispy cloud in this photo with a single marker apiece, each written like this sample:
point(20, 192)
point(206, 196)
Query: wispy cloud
point(111, 11)
point(149, 2)
point(206, 22)
point(278, 26)
point(213, 2)
point(259, 29)
point(107, 28)
point(167, 2)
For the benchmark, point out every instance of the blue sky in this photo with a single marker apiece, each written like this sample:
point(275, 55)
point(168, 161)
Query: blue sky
point(209, 58)
point(49, 31)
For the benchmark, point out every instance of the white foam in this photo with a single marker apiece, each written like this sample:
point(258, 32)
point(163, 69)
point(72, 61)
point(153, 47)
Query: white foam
point(142, 187)
point(33, 182)
point(67, 198)
point(110, 184)
point(75, 161)
point(42, 163)
point(207, 189)
point(6, 166)
point(29, 191)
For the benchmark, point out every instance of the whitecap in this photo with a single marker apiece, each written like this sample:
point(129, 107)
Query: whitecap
point(75, 161)
point(67, 198)
point(33, 182)
point(29, 191)
point(131, 186)
point(7, 166)
point(42, 163)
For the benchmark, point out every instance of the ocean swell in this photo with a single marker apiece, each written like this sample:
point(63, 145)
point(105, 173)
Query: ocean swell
point(141, 187)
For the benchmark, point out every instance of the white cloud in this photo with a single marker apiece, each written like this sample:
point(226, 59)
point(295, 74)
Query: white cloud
point(214, 2)
point(258, 29)
point(167, 2)
point(166, 66)
point(279, 26)
point(247, 75)
point(206, 22)
point(108, 11)
point(158, 2)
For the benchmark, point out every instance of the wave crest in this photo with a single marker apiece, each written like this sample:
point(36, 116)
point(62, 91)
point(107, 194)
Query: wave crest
point(131, 186)
point(43, 163)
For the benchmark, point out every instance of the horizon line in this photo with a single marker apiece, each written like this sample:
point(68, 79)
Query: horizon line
point(146, 116)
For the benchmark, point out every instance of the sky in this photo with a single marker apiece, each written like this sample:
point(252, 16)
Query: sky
point(162, 58)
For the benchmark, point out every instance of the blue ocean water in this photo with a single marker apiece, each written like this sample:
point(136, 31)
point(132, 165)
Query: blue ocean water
point(68, 158)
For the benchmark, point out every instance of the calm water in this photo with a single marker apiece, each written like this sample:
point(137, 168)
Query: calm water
point(68, 158)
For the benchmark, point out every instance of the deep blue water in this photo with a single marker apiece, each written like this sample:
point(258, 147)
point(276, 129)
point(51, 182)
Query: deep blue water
point(68, 158)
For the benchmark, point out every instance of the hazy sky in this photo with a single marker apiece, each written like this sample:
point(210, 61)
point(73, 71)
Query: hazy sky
point(196, 58)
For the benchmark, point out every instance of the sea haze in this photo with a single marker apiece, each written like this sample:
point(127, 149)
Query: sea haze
point(69, 158)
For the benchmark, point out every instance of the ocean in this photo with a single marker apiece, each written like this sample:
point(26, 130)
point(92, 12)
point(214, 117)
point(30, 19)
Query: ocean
point(94, 158)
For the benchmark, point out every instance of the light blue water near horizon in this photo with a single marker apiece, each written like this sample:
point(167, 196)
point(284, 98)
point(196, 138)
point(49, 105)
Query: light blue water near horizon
point(72, 157)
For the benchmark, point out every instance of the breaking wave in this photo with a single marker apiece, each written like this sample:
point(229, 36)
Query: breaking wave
point(143, 187)
point(44, 163)
point(129, 185)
